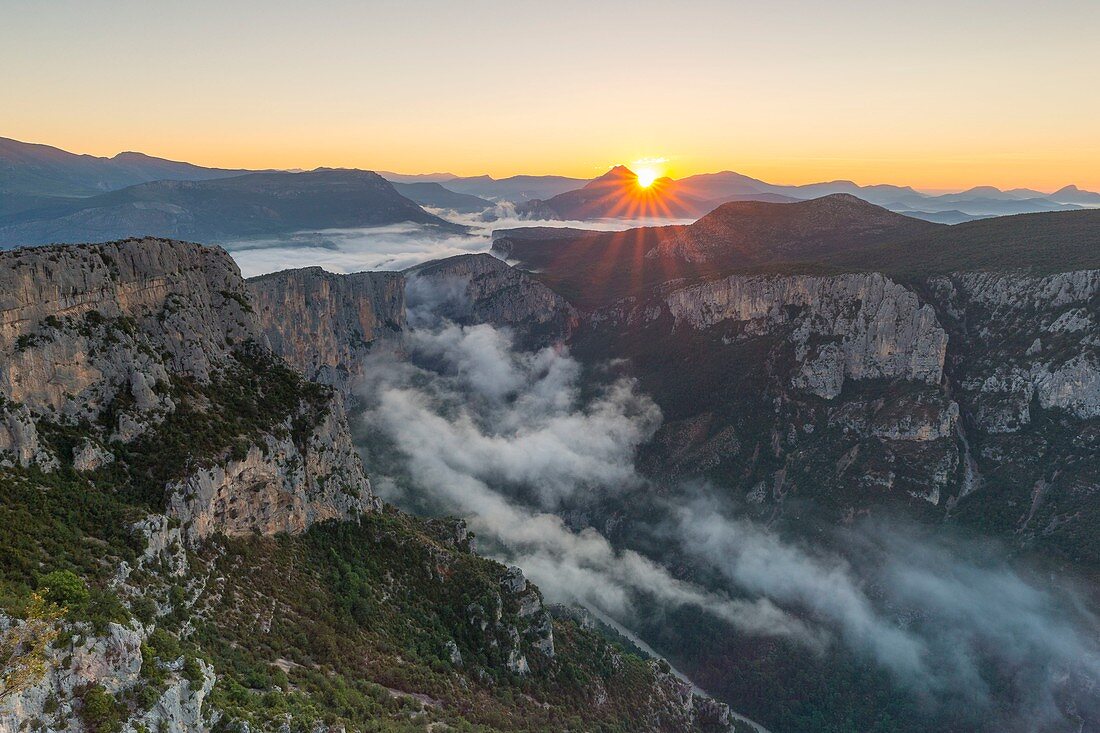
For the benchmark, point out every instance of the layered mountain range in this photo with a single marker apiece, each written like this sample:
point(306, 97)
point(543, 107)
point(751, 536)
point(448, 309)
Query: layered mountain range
point(48, 195)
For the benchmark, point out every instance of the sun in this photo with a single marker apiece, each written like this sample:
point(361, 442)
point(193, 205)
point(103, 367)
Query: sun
point(646, 176)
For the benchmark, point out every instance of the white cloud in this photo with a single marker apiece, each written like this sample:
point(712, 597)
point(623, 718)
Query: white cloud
point(393, 247)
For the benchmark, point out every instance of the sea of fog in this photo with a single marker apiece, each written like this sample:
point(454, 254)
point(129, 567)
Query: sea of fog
point(396, 246)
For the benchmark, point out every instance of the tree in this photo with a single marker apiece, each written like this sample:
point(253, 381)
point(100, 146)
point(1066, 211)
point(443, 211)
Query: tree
point(23, 647)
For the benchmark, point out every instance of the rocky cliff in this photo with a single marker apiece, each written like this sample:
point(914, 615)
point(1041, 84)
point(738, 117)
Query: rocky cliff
point(324, 324)
point(843, 327)
point(106, 666)
point(126, 338)
point(1024, 363)
point(859, 388)
point(480, 288)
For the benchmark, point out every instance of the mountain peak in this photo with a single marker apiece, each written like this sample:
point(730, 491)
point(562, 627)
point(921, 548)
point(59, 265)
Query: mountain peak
point(982, 191)
point(617, 176)
point(619, 171)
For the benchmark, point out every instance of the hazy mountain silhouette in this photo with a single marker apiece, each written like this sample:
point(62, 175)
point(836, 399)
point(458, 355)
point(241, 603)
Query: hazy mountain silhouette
point(617, 194)
point(436, 196)
point(42, 170)
point(255, 204)
point(515, 188)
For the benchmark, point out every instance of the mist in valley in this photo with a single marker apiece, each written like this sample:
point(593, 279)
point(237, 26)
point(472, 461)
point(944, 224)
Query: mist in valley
point(396, 246)
point(532, 447)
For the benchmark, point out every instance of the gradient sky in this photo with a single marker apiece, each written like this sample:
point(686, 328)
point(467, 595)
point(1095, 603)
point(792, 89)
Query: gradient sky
point(936, 94)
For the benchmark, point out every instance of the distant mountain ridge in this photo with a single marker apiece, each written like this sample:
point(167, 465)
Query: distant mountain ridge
point(617, 194)
point(251, 205)
point(516, 189)
point(32, 175)
point(833, 234)
point(429, 193)
point(42, 170)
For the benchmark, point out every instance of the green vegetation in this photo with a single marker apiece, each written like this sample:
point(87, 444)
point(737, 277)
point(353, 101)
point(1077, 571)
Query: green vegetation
point(100, 712)
point(365, 614)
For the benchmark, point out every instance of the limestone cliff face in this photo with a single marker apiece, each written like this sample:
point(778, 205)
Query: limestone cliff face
point(84, 327)
point(1024, 362)
point(324, 324)
point(975, 386)
point(1022, 338)
point(98, 335)
point(280, 485)
point(844, 327)
point(470, 289)
point(787, 381)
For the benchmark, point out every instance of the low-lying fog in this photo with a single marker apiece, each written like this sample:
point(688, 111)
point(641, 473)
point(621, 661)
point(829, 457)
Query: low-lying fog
point(397, 246)
point(477, 428)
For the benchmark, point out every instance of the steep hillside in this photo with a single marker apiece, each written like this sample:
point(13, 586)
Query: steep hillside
point(1046, 243)
point(748, 233)
point(191, 511)
point(252, 205)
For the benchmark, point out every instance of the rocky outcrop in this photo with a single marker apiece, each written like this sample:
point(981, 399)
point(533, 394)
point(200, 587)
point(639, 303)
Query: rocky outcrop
point(112, 665)
point(515, 620)
point(843, 327)
point(280, 485)
point(977, 392)
point(84, 327)
point(1022, 338)
point(99, 335)
point(539, 631)
point(324, 324)
point(472, 289)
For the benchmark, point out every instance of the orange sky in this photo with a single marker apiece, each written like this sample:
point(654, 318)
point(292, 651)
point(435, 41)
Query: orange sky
point(936, 96)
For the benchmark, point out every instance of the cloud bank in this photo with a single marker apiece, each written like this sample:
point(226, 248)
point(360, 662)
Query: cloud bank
point(503, 437)
point(508, 438)
point(393, 247)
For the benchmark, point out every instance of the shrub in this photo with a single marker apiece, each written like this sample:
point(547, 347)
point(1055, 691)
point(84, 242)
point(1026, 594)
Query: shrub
point(99, 711)
point(65, 588)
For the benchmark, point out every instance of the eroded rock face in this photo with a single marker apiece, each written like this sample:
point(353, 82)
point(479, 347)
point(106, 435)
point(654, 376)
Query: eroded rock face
point(1023, 338)
point(84, 327)
point(1024, 361)
point(324, 324)
point(112, 661)
point(280, 485)
point(97, 335)
point(843, 327)
point(479, 288)
point(825, 386)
